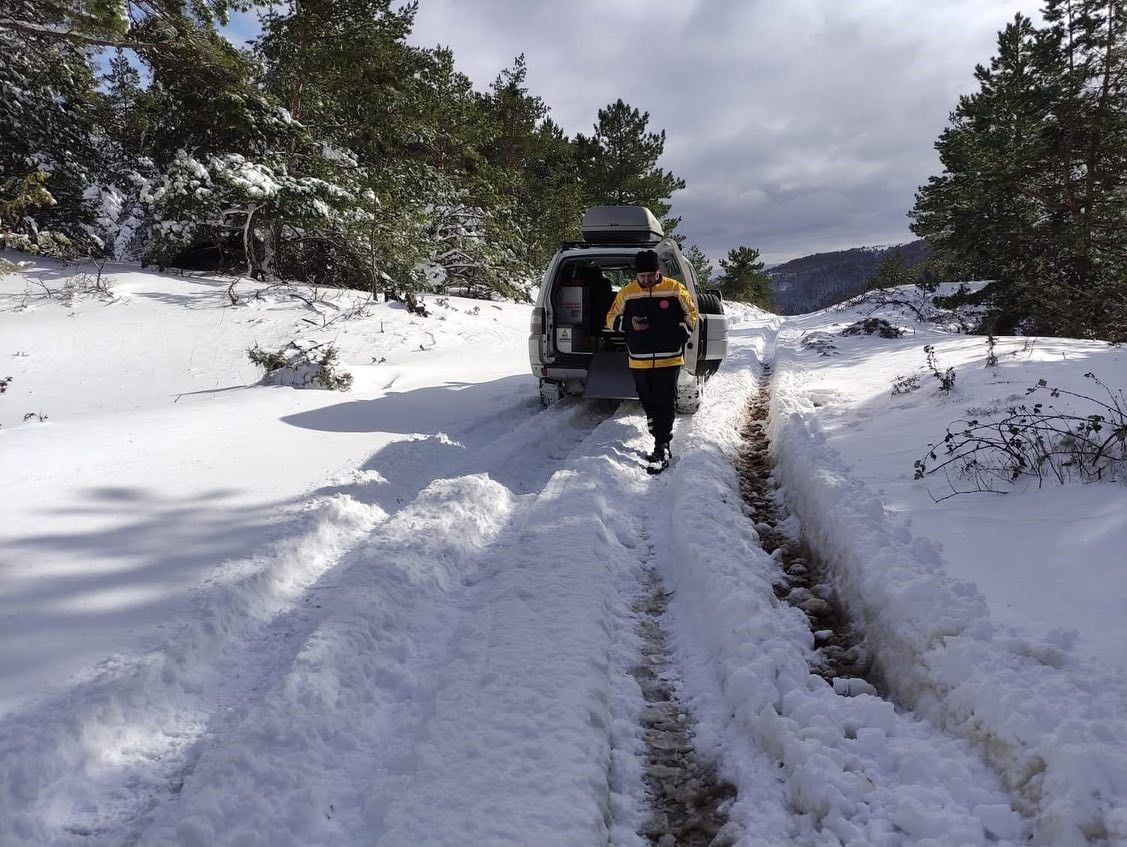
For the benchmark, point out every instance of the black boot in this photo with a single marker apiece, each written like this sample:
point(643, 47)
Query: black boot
point(659, 459)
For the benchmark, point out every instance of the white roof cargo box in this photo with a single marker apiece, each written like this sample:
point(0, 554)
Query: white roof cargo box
point(621, 225)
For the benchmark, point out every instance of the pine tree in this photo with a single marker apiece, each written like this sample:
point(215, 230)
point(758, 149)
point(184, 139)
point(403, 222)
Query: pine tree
point(1034, 189)
point(743, 277)
point(151, 24)
point(987, 192)
point(555, 206)
point(93, 144)
point(890, 273)
point(349, 163)
point(48, 130)
point(511, 117)
point(702, 265)
point(1086, 187)
point(618, 164)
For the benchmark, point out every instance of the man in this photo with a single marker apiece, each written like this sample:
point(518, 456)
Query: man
point(657, 316)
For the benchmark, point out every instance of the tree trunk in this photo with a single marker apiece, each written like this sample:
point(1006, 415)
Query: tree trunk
point(248, 246)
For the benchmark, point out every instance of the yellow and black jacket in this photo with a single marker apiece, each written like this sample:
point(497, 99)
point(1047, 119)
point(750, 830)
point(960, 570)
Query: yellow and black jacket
point(671, 313)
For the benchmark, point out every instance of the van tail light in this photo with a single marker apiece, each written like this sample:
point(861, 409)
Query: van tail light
point(537, 321)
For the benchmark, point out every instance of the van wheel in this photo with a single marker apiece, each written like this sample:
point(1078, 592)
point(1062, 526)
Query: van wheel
point(550, 393)
point(710, 304)
point(689, 396)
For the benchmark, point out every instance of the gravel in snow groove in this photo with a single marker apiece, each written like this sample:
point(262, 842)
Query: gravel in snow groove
point(803, 581)
point(839, 655)
point(689, 801)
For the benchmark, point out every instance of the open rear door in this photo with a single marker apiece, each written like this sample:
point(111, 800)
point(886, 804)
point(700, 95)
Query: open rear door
point(609, 377)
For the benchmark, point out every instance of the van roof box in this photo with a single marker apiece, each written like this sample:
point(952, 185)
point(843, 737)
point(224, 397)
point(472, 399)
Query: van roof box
point(621, 225)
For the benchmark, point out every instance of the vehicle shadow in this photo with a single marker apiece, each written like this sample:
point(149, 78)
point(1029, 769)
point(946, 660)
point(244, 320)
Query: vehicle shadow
point(426, 411)
point(504, 433)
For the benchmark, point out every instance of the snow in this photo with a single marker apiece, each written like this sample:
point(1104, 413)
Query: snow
point(993, 615)
point(236, 613)
point(95, 515)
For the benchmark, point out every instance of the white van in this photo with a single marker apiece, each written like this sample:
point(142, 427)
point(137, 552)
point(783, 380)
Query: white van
point(570, 350)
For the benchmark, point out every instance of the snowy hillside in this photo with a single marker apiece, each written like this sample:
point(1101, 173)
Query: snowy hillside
point(427, 611)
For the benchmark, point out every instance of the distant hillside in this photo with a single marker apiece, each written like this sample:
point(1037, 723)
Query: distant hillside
point(814, 282)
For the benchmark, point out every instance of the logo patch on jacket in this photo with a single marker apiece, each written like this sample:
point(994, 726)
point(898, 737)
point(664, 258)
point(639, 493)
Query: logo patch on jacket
point(664, 304)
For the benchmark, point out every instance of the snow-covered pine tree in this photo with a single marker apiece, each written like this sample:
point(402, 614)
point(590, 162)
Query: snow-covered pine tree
point(125, 168)
point(89, 141)
point(48, 149)
point(356, 91)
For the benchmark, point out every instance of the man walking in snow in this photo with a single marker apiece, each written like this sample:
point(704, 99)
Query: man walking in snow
point(657, 315)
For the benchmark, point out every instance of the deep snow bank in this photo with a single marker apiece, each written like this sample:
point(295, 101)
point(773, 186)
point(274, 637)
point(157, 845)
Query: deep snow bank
point(1051, 723)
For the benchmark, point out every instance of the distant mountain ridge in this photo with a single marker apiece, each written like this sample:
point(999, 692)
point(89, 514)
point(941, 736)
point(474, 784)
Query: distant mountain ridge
point(822, 279)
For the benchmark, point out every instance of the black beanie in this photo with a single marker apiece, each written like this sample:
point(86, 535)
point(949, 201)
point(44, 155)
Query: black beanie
point(646, 262)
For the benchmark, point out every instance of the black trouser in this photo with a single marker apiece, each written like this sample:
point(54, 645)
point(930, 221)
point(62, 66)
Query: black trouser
point(657, 389)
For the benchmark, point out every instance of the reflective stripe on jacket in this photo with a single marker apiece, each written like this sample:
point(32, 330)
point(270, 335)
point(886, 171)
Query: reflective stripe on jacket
point(672, 316)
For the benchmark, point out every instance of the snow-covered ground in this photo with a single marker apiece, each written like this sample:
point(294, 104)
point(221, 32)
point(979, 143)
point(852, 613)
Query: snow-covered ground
point(244, 614)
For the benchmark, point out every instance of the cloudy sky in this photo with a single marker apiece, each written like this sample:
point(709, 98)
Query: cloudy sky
point(799, 125)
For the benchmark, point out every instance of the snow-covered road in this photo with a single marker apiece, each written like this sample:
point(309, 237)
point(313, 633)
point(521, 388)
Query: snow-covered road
point(440, 642)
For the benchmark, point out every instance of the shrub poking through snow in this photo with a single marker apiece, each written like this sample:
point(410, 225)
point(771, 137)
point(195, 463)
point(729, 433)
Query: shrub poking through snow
point(822, 342)
point(93, 283)
point(946, 378)
point(86, 284)
point(312, 366)
point(991, 355)
point(1036, 441)
point(873, 326)
point(37, 416)
point(4, 383)
point(905, 384)
point(8, 267)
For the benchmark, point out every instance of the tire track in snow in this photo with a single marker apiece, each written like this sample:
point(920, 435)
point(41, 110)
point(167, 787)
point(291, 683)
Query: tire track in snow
point(842, 659)
point(343, 706)
point(812, 767)
point(95, 764)
point(688, 801)
point(922, 808)
point(510, 741)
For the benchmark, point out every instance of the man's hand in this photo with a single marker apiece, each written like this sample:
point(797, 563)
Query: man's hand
point(640, 324)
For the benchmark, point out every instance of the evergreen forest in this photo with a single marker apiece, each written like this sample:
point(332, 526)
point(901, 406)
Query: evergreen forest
point(330, 150)
point(1033, 193)
point(333, 151)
